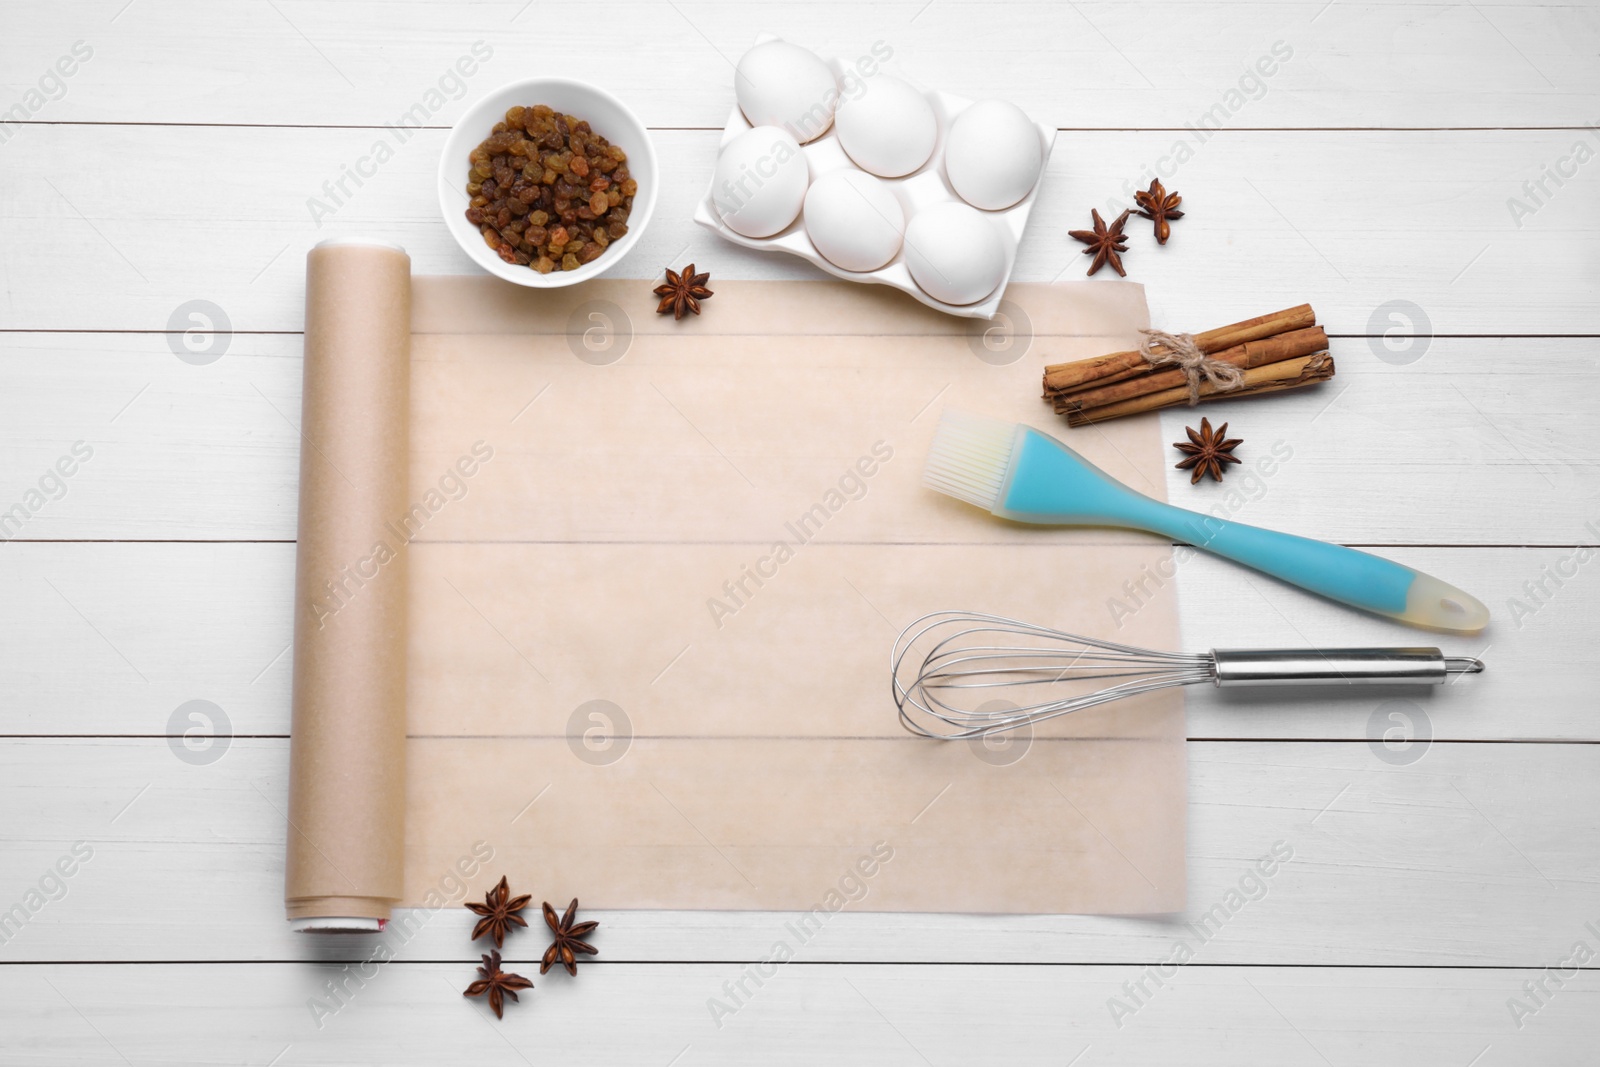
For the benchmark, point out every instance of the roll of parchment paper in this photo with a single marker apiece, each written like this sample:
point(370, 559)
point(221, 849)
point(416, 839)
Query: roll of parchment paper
point(603, 618)
point(346, 835)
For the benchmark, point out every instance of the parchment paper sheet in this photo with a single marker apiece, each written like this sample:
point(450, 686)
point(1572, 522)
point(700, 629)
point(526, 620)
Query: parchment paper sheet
point(656, 568)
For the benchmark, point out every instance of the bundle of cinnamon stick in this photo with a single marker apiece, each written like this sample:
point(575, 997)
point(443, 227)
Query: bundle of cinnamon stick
point(1284, 350)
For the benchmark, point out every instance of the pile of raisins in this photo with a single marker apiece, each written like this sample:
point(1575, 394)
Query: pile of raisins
point(547, 191)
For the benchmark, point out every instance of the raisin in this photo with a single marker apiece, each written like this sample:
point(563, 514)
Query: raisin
point(548, 192)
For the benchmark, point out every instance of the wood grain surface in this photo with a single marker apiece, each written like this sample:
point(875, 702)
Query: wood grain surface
point(1422, 173)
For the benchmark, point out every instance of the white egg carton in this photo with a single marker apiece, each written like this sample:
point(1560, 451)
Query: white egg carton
point(921, 188)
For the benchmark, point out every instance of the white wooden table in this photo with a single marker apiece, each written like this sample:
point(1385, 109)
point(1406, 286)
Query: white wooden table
point(1377, 173)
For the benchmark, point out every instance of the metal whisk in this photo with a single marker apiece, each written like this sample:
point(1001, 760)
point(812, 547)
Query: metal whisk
point(948, 690)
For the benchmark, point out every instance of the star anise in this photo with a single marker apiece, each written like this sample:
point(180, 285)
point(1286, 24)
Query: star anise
point(497, 983)
point(1207, 451)
point(1159, 205)
point(682, 292)
point(499, 913)
point(1105, 242)
point(568, 939)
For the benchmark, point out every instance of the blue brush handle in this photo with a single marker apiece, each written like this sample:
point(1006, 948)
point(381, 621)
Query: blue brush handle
point(1049, 483)
point(1347, 575)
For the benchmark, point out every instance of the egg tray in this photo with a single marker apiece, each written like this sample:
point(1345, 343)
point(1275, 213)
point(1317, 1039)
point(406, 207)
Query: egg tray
point(922, 188)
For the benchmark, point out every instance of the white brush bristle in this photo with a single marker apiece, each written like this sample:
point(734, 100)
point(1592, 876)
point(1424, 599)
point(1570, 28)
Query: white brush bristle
point(969, 457)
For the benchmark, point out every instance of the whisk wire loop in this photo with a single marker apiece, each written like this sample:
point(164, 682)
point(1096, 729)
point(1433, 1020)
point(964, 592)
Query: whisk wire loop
point(973, 652)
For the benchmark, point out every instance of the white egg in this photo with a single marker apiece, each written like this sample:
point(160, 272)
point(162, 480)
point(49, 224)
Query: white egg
point(955, 253)
point(854, 220)
point(760, 181)
point(782, 84)
point(992, 155)
point(889, 129)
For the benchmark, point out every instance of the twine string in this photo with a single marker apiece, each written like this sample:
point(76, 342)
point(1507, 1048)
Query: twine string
point(1183, 352)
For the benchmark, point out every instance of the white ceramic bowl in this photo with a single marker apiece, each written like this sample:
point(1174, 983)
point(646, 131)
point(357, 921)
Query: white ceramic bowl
point(608, 116)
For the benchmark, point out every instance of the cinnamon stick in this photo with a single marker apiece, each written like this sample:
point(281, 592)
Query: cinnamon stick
point(1291, 345)
point(1061, 377)
point(1270, 378)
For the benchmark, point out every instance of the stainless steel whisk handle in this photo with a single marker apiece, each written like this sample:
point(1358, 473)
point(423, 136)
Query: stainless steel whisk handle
point(1337, 666)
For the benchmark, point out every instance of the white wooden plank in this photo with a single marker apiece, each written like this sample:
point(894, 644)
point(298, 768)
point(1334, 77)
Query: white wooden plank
point(1099, 64)
point(113, 638)
point(1463, 446)
point(1480, 855)
point(857, 1014)
point(1349, 221)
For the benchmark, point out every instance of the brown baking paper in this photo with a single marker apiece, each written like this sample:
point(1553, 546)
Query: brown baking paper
point(655, 573)
point(347, 748)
